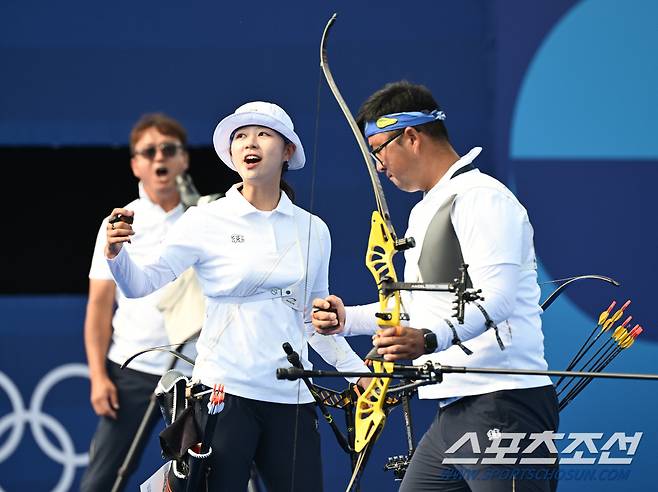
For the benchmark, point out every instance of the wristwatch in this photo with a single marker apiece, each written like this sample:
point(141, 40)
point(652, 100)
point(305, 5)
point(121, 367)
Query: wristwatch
point(430, 342)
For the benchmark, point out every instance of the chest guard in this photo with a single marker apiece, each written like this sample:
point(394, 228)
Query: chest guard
point(441, 254)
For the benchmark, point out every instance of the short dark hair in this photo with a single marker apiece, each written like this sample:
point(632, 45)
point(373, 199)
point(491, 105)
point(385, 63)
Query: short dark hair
point(161, 122)
point(397, 97)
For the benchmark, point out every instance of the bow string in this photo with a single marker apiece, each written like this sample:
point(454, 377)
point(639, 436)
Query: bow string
point(383, 243)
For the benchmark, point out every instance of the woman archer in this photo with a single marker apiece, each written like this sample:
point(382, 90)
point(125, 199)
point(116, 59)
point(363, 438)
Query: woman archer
point(260, 260)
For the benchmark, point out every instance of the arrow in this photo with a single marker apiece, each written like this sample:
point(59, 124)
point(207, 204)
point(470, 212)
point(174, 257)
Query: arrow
point(605, 322)
point(624, 342)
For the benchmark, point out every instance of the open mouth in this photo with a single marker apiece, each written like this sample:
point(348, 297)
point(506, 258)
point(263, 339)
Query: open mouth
point(161, 171)
point(252, 159)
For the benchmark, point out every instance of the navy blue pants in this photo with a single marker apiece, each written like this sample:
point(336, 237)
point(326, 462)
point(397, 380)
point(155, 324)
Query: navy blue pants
point(523, 411)
point(113, 438)
point(252, 431)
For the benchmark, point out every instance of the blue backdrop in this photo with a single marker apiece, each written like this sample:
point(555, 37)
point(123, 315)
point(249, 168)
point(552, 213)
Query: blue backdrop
point(561, 95)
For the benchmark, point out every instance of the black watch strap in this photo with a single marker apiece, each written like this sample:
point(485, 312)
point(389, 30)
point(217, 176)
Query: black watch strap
point(430, 344)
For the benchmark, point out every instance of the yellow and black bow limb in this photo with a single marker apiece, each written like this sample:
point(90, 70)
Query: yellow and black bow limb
point(383, 243)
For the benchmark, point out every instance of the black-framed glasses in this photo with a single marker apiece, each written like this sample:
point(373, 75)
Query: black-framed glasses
point(168, 149)
point(379, 148)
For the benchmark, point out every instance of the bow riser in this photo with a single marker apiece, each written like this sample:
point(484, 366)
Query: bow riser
point(382, 245)
point(379, 260)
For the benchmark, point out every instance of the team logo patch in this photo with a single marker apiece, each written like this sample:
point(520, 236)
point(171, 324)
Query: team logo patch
point(237, 238)
point(494, 434)
point(383, 122)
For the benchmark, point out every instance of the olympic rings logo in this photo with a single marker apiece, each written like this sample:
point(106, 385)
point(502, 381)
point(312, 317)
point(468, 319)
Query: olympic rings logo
point(64, 454)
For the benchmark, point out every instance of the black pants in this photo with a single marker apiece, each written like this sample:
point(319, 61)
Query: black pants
point(524, 411)
point(113, 438)
point(262, 432)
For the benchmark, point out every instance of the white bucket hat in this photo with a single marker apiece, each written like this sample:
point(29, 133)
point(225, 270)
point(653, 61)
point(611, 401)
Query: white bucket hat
point(262, 114)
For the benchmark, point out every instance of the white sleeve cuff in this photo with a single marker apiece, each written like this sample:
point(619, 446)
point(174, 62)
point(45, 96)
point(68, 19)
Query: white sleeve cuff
point(361, 320)
point(337, 352)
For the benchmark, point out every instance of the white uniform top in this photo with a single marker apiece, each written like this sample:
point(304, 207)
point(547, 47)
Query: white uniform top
point(251, 266)
point(138, 324)
point(496, 240)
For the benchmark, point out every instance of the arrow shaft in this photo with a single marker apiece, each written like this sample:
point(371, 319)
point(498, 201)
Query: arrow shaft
point(584, 382)
point(578, 356)
point(586, 366)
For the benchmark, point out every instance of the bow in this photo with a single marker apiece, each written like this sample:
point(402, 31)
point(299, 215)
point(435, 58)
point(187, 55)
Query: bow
point(346, 401)
point(163, 348)
point(566, 282)
point(383, 244)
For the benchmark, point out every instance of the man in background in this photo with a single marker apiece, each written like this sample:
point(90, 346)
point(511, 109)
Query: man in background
point(120, 397)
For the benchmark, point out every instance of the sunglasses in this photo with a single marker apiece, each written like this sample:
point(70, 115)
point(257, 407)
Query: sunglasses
point(168, 149)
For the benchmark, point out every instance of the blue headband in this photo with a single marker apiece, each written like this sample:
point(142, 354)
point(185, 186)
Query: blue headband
point(395, 121)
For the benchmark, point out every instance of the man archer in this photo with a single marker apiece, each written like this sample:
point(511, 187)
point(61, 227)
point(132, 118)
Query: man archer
point(465, 216)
